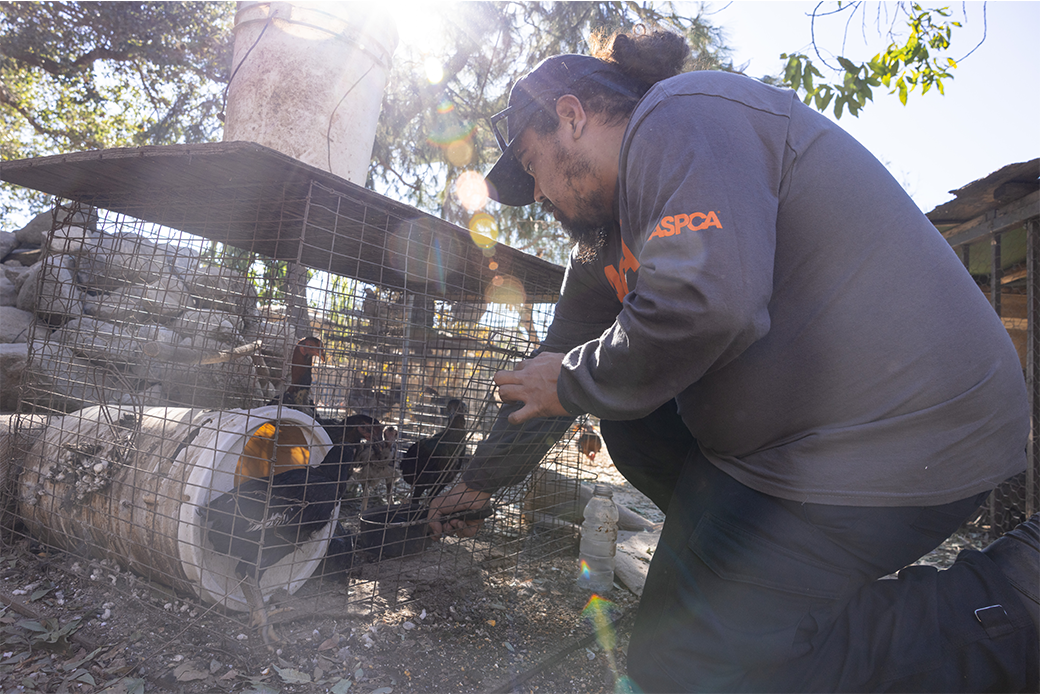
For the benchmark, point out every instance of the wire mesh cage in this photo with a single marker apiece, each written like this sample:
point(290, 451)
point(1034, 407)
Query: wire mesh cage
point(247, 381)
point(992, 224)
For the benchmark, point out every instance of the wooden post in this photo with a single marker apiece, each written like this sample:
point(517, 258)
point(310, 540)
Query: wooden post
point(994, 298)
point(1033, 362)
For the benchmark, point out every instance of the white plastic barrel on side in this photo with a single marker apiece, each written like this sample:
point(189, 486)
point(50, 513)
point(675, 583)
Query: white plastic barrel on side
point(113, 481)
point(212, 458)
point(307, 80)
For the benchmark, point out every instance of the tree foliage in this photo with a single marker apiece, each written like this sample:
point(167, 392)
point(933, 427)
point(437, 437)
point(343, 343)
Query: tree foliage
point(431, 132)
point(920, 58)
point(87, 75)
point(92, 75)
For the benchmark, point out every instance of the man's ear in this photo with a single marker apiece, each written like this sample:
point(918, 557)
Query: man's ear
point(572, 114)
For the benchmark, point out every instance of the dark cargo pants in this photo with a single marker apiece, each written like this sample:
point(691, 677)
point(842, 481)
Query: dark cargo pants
point(749, 592)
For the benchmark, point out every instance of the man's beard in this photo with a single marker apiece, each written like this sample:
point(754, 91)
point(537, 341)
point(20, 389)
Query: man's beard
point(592, 221)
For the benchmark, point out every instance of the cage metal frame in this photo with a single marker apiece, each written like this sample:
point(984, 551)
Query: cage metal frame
point(278, 209)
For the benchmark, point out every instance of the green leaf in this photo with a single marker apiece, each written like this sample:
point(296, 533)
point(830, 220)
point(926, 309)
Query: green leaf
point(848, 65)
point(264, 688)
point(341, 686)
point(33, 625)
point(125, 685)
point(16, 658)
point(40, 593)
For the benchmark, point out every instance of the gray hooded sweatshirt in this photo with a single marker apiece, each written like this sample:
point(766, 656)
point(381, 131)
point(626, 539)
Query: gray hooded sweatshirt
point(822, 340)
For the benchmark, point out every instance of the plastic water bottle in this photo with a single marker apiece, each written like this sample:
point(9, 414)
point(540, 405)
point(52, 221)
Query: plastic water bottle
point(598, 542)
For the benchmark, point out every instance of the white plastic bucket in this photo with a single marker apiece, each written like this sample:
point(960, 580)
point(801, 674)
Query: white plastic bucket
point(143, 512)
point(307, 80)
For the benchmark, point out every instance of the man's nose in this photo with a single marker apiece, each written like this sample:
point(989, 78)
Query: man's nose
point(539, 197)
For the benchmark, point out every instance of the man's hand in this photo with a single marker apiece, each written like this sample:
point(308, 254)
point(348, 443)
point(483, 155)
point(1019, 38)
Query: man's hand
point(458, 499)
point(533, 383)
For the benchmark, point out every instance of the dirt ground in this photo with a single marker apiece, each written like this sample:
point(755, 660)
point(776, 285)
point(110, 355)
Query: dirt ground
point(71, 625)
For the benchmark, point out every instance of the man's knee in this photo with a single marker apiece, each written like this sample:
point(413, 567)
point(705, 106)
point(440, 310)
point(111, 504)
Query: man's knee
point(650, 452)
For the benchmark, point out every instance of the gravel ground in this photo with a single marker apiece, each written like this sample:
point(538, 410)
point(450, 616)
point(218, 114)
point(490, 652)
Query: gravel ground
point(72, 625)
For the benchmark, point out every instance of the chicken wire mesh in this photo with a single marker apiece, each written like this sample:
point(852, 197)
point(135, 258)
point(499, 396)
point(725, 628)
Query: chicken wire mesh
point(253, 429)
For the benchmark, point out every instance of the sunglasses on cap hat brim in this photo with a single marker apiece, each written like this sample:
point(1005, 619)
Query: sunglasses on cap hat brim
point(507, 182)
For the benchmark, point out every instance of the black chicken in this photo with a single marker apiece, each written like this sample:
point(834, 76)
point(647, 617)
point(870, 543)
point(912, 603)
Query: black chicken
point(431, 463)
point(264, 519)
point(350, 430)
point(347, 435)
point(363, 397)
point(298, 393)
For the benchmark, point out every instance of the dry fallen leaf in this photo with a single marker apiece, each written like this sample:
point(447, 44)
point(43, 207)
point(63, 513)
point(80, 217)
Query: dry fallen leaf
point(330, 643)
point(188, 672)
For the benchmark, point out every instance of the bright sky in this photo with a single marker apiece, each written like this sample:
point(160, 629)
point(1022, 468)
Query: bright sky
point(988, 118)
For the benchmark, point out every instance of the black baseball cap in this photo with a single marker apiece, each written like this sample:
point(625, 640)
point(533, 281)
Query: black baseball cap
point(507, 181)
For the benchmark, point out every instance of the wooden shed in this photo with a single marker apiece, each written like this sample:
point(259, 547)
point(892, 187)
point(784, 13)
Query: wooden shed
point(994, 224)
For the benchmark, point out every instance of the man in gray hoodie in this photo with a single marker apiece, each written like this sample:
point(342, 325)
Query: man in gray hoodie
point(828, 393)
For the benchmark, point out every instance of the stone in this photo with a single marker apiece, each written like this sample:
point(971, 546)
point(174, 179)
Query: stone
point(156, 342)
point(49, 291)
point(154, 332)
point(204, 343)
point(14, 323)
point(182, 260)
point(62, 381)
point(8, 291)
point(37, 232)
point(164, 298)
point(26, 255)
point(99, 341)
point(114, 260)
point(275, 335)
point(223, 385)
point(13, 358)
point(113, 306)
point(635, 549)
point(32, 233)
point(15, 272)
point(8, 243)
point(201, 324)
point(70, 240)
point(222, 289)
point(133, 318)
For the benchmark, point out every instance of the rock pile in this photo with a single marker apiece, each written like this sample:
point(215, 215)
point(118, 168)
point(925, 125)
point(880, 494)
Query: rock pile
point(102, 313)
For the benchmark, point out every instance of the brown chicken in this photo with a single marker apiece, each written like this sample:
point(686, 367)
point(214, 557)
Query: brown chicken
point(375, 465)
point(298, 393)
point(589, 442)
